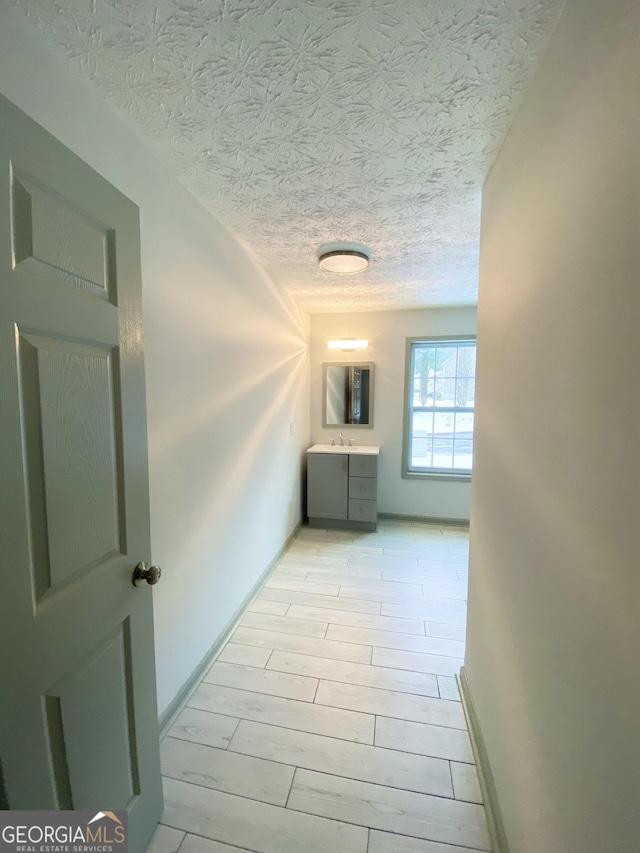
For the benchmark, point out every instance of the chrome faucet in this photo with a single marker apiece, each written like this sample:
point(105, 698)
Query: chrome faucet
point(341, 440)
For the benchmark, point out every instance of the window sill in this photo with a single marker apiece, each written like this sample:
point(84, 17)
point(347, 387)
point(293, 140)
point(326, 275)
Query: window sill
point(436, 475)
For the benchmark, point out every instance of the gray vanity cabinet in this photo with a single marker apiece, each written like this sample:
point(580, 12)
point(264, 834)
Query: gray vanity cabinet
point(342, 490)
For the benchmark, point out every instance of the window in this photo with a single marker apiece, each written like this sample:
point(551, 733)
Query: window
point(440, 381)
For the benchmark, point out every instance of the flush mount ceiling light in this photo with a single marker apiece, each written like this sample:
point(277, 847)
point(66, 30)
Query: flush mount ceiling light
point(343, 261)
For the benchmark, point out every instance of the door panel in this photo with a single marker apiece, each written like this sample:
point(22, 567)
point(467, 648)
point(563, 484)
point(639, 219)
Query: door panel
point(68, 401)
point(78, 718)
point(52, 237)
point(99, 725)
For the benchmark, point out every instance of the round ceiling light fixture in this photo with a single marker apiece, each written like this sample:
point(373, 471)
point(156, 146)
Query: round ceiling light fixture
point(343, 261)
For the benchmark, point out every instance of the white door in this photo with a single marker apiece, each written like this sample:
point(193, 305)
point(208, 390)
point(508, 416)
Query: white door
point(78, 719)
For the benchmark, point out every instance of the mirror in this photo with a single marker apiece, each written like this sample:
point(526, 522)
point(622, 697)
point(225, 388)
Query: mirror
point(348, 395)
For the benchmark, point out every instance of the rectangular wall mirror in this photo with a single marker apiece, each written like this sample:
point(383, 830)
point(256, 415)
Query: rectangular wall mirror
point(347, 395)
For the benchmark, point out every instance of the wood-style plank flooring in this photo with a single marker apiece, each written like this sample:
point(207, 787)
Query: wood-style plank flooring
point(331, 719)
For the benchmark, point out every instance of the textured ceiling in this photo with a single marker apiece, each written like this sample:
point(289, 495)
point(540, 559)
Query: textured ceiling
point(305, 122)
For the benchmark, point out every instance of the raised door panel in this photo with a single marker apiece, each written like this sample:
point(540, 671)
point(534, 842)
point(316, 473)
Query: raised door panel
point(68, 394)
point(327, 486)
point(91, 731)
point(52, 237)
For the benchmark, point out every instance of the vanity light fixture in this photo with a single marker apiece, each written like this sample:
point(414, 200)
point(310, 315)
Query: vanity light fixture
point(343, 261)
point(347, 344)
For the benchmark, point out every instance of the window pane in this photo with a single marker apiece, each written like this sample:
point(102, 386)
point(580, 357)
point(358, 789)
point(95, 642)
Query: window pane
point(423, 376)
point(422, 440)
point(463, 444)
point(443, 424)
point(447, 395)
point(444, 355)
point(445, 384)
point(467, 361)
point(465, 391)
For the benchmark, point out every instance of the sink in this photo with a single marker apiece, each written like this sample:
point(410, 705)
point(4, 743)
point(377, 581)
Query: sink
point(365, 449)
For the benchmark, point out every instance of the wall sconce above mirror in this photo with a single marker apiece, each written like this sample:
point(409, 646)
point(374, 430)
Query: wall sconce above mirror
point(347, 344)
point(347, 395)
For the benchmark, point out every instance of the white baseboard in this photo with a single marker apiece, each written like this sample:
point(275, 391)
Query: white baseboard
point(485, 776)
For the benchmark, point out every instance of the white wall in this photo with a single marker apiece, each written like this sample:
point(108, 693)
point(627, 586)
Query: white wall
point(226, 368)
point(387, 332)
point(553, 637)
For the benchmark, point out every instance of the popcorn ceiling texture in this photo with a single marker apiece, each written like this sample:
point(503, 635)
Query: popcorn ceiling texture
point(300, 122)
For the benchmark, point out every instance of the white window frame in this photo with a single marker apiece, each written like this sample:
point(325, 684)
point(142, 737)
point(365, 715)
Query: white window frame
point(408, 471)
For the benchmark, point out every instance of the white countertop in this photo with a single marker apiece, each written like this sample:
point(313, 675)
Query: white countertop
point(361, 449)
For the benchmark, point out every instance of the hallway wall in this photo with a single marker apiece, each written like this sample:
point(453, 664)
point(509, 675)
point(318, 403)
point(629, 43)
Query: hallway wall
point(387, 332)
point(226, 371)
point(553, 630)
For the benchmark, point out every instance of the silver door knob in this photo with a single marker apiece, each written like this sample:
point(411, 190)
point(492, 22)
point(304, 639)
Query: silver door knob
point(142, 573)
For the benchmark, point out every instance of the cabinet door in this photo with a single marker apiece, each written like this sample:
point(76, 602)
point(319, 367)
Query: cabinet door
point(327, 485)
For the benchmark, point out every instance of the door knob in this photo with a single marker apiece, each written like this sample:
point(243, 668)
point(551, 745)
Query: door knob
point(150, 574)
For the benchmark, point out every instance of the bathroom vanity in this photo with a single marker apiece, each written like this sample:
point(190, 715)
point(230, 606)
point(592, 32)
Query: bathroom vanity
point(342, 486)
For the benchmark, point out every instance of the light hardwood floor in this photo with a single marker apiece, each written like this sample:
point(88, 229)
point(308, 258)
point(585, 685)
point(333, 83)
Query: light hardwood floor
point(331, 720)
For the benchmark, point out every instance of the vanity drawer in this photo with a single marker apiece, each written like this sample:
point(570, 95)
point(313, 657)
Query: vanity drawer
point(363, 488)
point(363, 466)
point(362, 510)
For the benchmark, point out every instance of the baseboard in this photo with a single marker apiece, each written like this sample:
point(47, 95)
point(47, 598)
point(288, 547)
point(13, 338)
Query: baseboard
point(485, 776)
point(167, 717)
point(425, 519)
